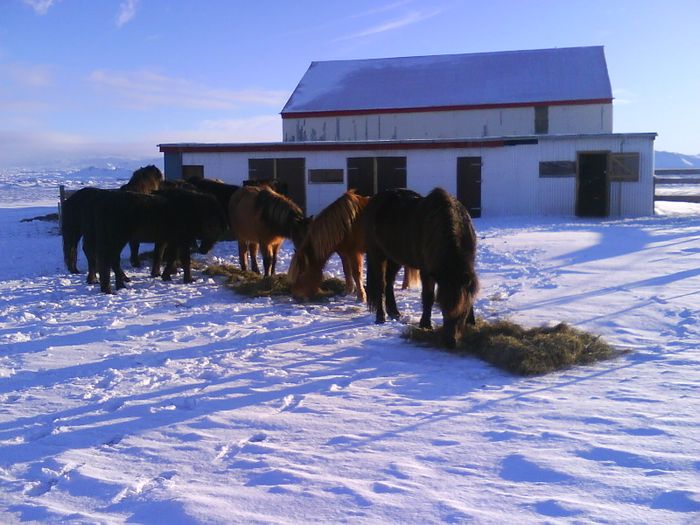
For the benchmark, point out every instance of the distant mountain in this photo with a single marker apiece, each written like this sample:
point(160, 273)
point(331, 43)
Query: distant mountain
point(667, 159)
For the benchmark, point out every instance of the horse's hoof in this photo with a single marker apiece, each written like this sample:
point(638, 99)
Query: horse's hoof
point(166, 278)
point(189, 281)
point(427, 325)
point(450, 342)
point(395, 315)
point(126, 278)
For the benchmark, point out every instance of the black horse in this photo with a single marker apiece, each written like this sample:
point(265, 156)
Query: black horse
point(174, 219)
point(79, 207)
point(433, 234)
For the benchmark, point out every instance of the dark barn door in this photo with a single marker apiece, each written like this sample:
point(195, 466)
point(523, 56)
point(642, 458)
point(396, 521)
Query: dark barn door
point(391, 173)
point(290, 173)
point(369, 175)
point(592, 192)
point(361, 175)
point(287, 173)
point(469, 184)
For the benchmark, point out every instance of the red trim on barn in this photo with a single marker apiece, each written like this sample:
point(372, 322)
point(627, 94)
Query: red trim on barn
point(347, 112)
point(334, 146)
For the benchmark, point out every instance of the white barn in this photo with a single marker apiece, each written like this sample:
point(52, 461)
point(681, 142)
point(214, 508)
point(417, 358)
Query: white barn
point(509, 133)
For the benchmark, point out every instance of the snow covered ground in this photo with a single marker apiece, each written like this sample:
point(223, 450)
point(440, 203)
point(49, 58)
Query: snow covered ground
point(172, 403)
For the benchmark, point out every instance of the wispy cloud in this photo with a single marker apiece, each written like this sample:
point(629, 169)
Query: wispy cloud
point(27, 75)
point(41, 7)
point(147, 90)
point(262, 128)
point(407, 19)
point(127, 10)
point(382, 8)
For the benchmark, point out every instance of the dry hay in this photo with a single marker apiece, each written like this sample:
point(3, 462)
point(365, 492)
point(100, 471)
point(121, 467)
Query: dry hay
point(520, 350)
point(254, 285)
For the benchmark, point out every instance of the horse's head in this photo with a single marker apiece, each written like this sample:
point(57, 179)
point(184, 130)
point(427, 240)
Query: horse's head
point(300, 229)
point(305, 276)
point(457, 305)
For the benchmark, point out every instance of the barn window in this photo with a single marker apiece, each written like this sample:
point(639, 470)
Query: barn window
point(192, 170)
point(624, 167)
point(541, 120)
point(326, 176)
point(558, 168)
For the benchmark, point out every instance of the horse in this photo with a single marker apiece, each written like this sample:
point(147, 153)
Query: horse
point(173, 218)
point(260, 215)
point(338, 228)
point(433, 234)
point(146, 179)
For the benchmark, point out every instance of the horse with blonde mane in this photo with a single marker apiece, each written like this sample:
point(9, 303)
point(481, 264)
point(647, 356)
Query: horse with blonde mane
point(338, 228)
point(260, 215)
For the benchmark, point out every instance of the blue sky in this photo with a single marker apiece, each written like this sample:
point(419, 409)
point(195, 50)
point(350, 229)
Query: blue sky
point(83, 78)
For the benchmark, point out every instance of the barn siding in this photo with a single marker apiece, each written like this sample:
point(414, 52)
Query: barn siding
point(511, 184)
point(498, 122)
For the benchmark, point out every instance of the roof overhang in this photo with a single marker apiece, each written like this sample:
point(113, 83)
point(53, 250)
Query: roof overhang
point(386, 145)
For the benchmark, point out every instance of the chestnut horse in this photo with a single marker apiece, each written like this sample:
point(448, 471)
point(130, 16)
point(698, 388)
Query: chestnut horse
point(259, 215)
point(338, 228)
point(434, 234)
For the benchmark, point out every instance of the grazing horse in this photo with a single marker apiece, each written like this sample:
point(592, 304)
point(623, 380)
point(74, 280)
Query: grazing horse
point(338, 228)
point(172, 218)
point(260, 215)
point(433, 234)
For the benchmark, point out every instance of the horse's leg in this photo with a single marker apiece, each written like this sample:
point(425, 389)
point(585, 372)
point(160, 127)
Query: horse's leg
point(243, 255)
point(170, 254)
point(185, 259)
point(427, 296)
point(103, 268)
point(275, 250)
point(158, 252)
point(356, 269)
point(348, 273)
point(134, 257)
point(376, 276)
point(119, 276)
point(392, 268)
point(253, 249)
point(90, 251)
point(267, 250)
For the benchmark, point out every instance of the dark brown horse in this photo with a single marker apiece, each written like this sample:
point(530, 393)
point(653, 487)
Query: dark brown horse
point(174, 219)
point(434, 234)
point(262, 216)
point(78, 209)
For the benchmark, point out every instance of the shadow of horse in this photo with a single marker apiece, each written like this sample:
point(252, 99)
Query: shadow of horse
point(174, 219)
point(259, 215)
point(433, 234)
point(337, 228)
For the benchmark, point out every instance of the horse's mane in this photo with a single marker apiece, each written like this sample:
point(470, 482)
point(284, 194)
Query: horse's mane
point(221, 190)
point(144, 180)
point(277, 211)
point(333, 224)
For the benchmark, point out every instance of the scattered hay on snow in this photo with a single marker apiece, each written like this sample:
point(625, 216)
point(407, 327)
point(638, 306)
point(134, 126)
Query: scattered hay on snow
point(254, 285)
point(520, 350)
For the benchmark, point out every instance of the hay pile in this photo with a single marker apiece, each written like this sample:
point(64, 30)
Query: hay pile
point(520, 350)
point(251, 284)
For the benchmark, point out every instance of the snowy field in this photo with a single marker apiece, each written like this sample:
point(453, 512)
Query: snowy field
point(172, 403)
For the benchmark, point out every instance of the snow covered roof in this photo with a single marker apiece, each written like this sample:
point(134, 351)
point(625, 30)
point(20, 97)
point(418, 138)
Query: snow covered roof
point(507, 78)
